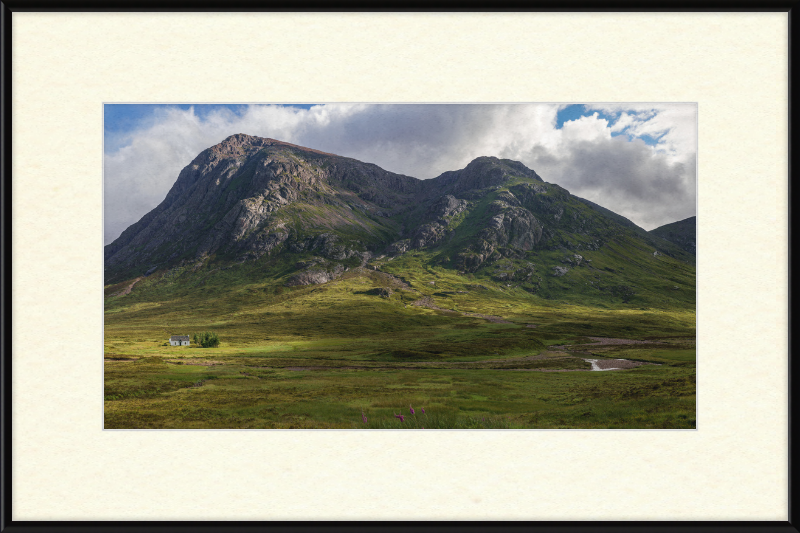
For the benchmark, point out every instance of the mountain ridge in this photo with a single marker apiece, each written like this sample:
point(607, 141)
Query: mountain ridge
point(256, 199)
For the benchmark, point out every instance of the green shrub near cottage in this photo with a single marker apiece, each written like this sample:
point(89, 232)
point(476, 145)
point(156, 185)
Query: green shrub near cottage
point(207, 339)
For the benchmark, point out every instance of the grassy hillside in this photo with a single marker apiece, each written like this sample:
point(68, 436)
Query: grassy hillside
point(470, 350)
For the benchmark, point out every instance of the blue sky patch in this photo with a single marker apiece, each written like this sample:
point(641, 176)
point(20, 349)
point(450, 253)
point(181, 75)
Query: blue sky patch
point(650, 140)
point(576, 111)
point(571, 112)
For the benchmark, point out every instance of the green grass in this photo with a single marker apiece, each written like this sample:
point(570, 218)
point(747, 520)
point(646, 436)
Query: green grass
point(466, 372)
point(237, 396)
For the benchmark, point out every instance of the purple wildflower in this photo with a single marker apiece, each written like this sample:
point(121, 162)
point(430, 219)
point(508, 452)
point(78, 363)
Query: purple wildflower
point(402, 419)
point(412, 409)
point(423, 410)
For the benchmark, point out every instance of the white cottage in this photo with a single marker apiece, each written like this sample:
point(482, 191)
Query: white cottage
point(179, 340)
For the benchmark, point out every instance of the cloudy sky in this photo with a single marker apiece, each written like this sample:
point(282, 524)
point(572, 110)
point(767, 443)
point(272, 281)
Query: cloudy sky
point(638, 160)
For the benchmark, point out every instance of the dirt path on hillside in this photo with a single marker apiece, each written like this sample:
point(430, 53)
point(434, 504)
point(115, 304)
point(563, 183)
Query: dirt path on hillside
point(128, 289)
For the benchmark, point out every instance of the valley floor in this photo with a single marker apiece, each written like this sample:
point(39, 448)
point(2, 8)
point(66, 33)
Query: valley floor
point(341, 356)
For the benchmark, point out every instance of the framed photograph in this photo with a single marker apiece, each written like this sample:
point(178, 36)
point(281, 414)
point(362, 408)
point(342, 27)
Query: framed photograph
point(324, 292)
point(486, 264)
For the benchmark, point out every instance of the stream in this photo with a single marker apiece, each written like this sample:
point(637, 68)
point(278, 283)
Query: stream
point(595, 366)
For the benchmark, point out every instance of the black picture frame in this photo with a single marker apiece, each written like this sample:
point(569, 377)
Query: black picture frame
point(7, 11)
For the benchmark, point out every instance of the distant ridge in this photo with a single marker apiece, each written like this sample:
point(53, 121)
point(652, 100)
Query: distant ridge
point(682, 233)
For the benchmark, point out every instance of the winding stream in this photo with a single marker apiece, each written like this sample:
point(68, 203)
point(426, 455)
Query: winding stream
point(595, 367)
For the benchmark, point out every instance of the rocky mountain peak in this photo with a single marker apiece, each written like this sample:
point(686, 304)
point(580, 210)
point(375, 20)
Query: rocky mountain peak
point(499, 167)
point(241, 144)
point(484, 172)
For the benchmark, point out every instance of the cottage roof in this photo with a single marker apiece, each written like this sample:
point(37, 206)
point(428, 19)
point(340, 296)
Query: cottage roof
point(179, 338)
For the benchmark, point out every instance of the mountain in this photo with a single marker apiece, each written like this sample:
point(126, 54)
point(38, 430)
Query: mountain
point(247, 195)
point(301, 216)
point(682, 233)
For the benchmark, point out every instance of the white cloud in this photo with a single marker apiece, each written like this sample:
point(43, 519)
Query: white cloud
point(649, 186)
point(587, 128)
point(623, 122)
point(675, 123)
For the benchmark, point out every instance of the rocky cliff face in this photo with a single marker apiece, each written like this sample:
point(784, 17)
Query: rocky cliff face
point(250, 197)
